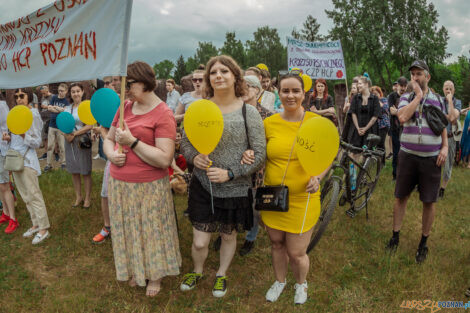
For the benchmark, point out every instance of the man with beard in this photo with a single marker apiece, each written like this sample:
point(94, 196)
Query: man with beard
point(422, 153)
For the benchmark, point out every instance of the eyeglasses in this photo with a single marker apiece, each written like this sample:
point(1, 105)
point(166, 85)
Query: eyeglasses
point(129, 83)
point(20, 95)
point(197, 80)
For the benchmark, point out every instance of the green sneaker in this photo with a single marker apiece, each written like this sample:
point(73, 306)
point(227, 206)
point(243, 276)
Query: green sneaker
point(189, 281)
point(220, 286)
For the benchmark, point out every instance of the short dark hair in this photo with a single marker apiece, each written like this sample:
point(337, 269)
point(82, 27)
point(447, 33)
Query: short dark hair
point(402, 81)
point(28, 91)
point(291, 75)
point(143, 73)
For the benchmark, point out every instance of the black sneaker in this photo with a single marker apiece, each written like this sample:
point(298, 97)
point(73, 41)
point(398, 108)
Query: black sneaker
point(217, 243)
point(392, 245)
point(47, 168)
point(56, 157)
point(43, 157)
point(220, 286)
point(441, 192)
point(189, 281)
point(421, 254)
point(246, 248)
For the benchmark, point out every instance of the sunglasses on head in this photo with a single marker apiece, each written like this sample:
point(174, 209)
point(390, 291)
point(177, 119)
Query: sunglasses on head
point(20, 95)
point(197, 80)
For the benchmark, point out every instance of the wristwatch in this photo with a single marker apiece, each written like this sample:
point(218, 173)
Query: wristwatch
point(230, 174)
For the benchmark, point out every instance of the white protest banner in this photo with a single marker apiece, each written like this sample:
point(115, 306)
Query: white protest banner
point(68, 40)
point(316, 59)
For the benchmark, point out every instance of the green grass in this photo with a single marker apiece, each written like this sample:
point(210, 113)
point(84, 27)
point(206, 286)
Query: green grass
point(349, 269)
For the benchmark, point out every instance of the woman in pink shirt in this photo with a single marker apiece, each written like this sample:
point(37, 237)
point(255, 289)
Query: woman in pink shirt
point(145, 238)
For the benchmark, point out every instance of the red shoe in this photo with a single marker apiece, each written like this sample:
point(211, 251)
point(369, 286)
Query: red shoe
point(12, 225)
point(4, 218)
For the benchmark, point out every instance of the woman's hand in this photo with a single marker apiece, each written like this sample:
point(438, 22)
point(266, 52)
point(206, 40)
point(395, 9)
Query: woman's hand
point(217, 175)
point(202, 161)
point(117, 158)
point(361, 131)
point(313, 108)
point(313, 184)
point(6, 137)
point(248, 157)
point(69, 137)
point(346, 107)
point(124, 136)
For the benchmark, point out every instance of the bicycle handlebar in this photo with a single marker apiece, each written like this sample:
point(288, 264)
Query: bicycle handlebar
point(347, 146)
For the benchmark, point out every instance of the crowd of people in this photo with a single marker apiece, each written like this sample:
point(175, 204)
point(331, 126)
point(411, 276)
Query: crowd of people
point(149, 155)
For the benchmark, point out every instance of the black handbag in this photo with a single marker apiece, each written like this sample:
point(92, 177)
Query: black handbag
point(272, 198)
point(436, 119)
point(84, 141)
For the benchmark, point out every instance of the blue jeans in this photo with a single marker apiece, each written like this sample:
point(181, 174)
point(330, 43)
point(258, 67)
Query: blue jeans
point(100, 149)
point(251, 235)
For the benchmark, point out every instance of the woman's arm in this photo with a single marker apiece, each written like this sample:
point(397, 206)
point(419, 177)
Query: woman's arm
point(113, 156)
point(179, 113)
point(83, 130)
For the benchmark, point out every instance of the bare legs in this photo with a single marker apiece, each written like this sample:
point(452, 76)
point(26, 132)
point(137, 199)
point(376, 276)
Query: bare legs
point(77, 186)
point(7, 199)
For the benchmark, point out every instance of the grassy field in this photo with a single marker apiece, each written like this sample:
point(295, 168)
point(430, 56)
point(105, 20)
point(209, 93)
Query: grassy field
point(349, 269)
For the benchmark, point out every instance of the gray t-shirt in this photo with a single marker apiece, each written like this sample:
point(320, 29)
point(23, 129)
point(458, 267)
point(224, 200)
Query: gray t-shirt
point(229, 151)
point(186, 99)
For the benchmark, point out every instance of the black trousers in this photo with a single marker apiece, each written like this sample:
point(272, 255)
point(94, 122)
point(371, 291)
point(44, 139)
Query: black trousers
point(396, 149)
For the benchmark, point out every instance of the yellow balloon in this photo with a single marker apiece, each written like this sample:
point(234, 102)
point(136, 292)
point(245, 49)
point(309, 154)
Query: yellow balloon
point(84, 113)
point(317, 145)
point(262, 66)
point(204, 125)
point(307, 82)
point(19, 119)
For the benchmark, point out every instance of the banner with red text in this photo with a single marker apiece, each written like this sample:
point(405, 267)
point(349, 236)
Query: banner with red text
point(316, 59)
point(68, 40)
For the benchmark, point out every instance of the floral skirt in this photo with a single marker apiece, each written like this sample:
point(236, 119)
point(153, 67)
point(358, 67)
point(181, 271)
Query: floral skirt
point(145, 236)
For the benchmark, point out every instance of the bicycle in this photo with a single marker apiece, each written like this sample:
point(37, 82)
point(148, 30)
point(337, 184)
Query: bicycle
point(366, 181)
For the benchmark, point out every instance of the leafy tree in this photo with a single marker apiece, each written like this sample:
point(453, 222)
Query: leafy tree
point(309, 32)
point(204, 52)
point(266, 47)
point(180, 69)
point(163, 69)
point(234, 48)
point(384, 37)
point(191, 65)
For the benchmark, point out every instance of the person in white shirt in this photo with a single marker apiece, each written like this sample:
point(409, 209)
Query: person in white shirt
point(172, 95)
point(26, 180)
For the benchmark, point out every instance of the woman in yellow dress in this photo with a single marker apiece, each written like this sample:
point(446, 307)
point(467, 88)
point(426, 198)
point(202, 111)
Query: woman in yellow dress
point(290, 231)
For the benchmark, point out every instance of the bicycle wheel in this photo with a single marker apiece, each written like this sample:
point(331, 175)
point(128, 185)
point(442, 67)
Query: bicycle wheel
point(328, 198)
point(366, 181)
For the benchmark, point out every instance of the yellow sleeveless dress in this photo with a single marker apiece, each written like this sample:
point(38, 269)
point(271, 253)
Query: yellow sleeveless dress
point(280, 135)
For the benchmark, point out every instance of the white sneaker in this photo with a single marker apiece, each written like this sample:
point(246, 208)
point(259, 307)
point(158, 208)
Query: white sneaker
point(275, 291)
point(300, 293)
point(96, 157)
point(39, 238)
point(30, 232)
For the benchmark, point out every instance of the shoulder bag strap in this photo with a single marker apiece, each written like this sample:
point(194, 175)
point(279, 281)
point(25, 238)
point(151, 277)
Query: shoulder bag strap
point(292, 149)
point(246, 125)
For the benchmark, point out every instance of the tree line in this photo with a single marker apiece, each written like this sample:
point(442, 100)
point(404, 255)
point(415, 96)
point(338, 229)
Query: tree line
point(378, 37)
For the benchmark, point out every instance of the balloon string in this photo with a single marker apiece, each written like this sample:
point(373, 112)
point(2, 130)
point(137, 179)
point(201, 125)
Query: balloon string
point(212, 197)
point(305, 215)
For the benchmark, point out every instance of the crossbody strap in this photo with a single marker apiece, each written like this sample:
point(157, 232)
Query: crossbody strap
point(292, 149)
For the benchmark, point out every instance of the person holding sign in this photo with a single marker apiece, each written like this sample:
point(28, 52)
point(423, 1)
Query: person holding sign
point(8, 202)
point(26, 180)
point(77, 155)
point(218, 193)
point(290, 231)
point(143, 221)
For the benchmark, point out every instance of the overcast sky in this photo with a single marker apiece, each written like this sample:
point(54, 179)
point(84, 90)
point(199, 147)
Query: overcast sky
point(164, 29)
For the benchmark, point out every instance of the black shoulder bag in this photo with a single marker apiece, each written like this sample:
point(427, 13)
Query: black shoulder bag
point(272, 198)
point(83, 140)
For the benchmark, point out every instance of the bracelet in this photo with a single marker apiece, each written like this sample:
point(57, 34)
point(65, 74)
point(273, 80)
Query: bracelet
point(135, 143)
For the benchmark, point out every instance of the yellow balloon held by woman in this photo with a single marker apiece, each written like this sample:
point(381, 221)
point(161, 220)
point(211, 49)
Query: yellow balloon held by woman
point(204, 125)
point(307, 82)
point(317, 145)
point(84, 113)
point(19, 119)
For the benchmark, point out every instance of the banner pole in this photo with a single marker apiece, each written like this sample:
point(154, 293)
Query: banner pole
point(121, 106)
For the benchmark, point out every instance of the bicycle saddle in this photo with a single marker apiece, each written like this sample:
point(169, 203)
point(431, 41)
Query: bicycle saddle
point(372, 140)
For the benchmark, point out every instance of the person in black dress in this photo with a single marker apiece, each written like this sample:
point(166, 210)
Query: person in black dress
point(365, 108)
point(321, 102)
